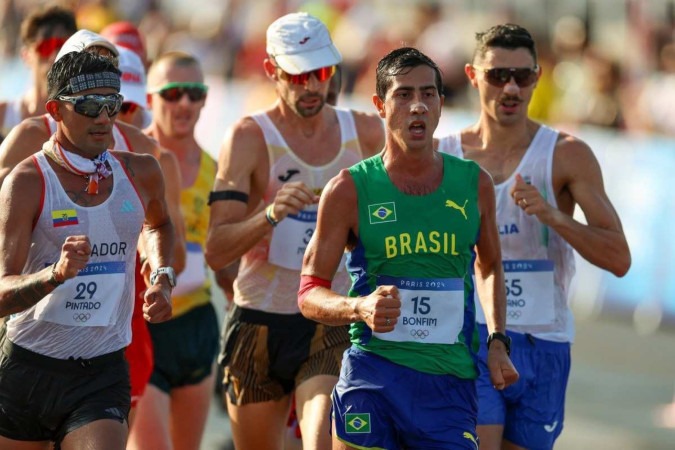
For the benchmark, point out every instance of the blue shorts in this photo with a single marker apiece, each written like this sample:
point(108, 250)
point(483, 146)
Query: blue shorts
point(381, 405)
point(533, 409)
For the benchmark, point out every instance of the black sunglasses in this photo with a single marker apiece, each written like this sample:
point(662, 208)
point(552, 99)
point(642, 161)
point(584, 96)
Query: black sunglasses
point(173, 92)
point(500, 76)
point(91, 105)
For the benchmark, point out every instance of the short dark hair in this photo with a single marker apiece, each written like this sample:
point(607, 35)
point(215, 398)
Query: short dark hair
point(509, 36)
point(401, 61)
point(48, 16)
point(73, 64)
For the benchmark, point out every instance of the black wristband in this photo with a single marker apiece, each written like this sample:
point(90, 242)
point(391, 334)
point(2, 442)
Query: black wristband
point(500, 337)
point(239, 196)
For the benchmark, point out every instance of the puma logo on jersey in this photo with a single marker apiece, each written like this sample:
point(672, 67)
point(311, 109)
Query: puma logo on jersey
point(453, 205)
point(470, 437)
point(288, 175)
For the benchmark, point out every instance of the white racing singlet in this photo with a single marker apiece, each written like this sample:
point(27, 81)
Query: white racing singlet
point(538, 263)
point(269, 273)
point(89, 315)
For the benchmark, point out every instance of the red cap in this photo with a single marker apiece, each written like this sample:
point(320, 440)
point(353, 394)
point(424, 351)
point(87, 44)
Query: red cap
point(125, 34)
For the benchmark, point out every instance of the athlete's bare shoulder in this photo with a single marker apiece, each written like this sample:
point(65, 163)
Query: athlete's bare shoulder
point(138, 140)
point(24, 140)
point(370, 129)
point(244, 141)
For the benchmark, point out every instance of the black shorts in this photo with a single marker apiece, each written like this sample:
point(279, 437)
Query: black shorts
point(44, 399)
point(185, 348)
point(265, 355)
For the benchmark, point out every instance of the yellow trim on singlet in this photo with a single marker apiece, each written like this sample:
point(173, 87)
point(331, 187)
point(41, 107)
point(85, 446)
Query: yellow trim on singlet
point(193, 202)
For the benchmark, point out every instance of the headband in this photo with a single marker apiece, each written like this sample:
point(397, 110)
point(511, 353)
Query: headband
point(93, 80)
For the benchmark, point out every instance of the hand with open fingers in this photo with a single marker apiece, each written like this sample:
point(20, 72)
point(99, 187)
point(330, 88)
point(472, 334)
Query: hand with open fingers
point(381, 308)
point(157, 303)
point(292, 198)
point(75, 253)
point(502, 371)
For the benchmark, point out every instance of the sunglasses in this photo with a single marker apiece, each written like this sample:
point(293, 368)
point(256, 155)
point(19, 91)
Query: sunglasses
point(173, 92)
point(92, 105)
point(500, 76)
point(46, 47)
point(128, 108)
point(322, 74)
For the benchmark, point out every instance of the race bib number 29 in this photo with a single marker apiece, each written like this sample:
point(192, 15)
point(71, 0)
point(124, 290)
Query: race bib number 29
point(88, 300)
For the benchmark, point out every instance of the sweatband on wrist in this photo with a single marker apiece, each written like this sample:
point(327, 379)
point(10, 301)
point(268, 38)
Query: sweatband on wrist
point(309, 282)
point(215, 196)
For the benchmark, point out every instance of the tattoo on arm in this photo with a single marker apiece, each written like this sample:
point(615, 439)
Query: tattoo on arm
point(126, 162)
point(27, 295)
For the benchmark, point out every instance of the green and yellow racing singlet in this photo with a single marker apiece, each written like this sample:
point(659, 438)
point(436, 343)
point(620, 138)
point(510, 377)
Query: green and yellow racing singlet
point(423, 245)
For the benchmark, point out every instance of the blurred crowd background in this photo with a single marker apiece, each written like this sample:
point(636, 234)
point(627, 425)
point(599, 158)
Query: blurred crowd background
point(609, 63)
point(608, 77)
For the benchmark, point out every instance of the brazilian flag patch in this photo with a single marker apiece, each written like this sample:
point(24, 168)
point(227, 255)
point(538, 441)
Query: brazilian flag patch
point(357, 423)
point(382, 213)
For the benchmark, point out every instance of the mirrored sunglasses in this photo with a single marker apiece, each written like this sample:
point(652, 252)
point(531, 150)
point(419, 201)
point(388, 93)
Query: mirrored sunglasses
point(322, 74)
point(46, 47)
point(173, 92)
point(92, 105)
point(500, 76)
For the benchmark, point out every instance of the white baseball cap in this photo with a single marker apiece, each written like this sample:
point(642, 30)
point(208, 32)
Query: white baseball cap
point(134, 83)
point(82, 40)
point(299, 43)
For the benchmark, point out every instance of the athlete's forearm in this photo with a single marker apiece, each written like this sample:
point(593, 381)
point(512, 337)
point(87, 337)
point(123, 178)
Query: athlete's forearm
point(604, 248)
point(158, 243)
point(492, 296)
point(20, 292)
point(329, 308)
point(227, 242)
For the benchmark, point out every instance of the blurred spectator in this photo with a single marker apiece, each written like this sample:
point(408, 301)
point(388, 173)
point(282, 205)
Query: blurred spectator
point(125, 34)
point(656, 99)
point(95, 14)
point(43, 33)
point(601, 104)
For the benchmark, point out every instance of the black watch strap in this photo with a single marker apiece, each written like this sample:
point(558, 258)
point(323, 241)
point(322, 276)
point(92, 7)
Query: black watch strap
point(500, 337)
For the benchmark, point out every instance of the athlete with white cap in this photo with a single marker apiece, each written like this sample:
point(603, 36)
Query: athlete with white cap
point(272, 168)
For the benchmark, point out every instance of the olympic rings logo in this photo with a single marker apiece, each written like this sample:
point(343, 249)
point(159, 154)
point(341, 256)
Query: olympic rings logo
point(420, 334)
point(513, 314)
point(81, 317)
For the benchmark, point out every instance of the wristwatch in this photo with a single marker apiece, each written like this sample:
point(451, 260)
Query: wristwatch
point(168, 271)
point(500, 337)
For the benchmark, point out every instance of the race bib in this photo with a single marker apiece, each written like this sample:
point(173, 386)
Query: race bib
point(432, 310)
point(88, 300)
point(529, 293)
point(193, 276)
point(290, 239)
